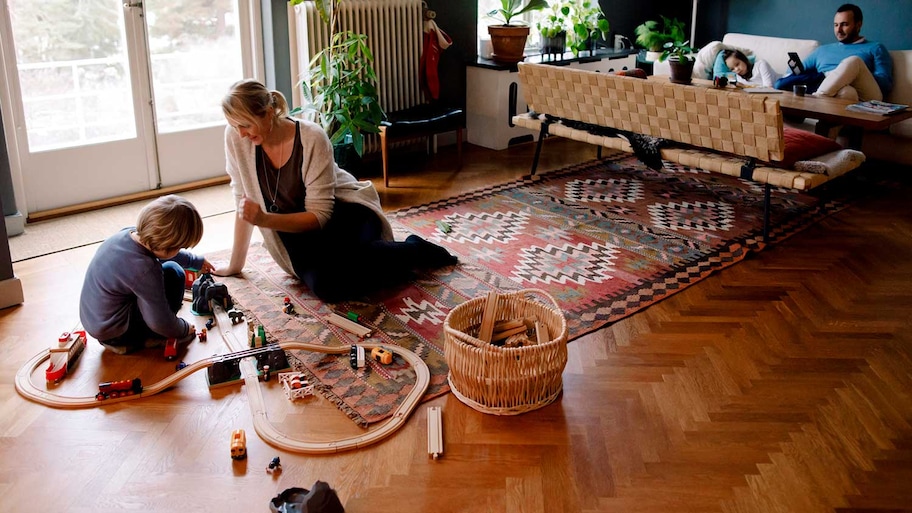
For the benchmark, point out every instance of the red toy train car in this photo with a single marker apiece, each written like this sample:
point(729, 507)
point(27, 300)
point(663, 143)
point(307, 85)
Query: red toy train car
point(115, 389)
point(64, 354)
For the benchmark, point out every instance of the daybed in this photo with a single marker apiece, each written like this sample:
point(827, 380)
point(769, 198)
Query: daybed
point(894, 145)
point(719, 130)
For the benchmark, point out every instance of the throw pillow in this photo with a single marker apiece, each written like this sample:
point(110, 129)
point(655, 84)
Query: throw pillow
point(636, 72)
point(804, 145)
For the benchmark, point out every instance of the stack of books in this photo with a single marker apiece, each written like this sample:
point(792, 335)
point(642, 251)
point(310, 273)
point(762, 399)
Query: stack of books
point(877, 107)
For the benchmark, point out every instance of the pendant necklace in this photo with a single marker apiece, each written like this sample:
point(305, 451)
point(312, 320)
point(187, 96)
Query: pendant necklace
point(273, 208)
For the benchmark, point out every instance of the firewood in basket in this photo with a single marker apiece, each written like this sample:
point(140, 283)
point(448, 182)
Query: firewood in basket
point(488, 318)
point(541, 332)
point(500, 335)
point(518, 340)
point(508, 324)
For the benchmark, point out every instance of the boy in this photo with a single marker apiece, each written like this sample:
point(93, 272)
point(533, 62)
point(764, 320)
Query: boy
point(134, 285)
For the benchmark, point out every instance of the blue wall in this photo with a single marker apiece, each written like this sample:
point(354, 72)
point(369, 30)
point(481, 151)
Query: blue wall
point(886, 21)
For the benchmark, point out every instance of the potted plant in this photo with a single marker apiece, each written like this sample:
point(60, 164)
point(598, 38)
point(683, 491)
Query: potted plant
point(340, 87)
point(680, 57)
point(587, 22)
point(508, 39)
point(652, 35)
point(553, 29)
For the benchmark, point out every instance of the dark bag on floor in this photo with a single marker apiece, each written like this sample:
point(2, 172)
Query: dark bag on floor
point(319, 499)
point(812, 79)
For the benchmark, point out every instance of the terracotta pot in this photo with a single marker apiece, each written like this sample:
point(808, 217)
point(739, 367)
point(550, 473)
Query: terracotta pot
point(681, 71)
point(509, 42)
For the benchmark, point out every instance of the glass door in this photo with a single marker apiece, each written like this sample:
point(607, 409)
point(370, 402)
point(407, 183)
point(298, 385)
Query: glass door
point(112, 98)
point(196, 51)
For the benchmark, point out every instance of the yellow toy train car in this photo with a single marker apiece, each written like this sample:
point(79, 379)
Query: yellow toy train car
point(238, 444)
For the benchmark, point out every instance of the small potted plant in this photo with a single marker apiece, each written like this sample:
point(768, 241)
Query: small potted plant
point(509, 39)
point(587, 23)
point(553, 29)
point(652, 35)
point(680, 57)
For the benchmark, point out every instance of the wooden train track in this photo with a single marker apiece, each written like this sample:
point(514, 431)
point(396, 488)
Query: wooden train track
point(267, 431)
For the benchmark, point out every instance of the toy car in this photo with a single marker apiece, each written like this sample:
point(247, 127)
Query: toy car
point(238, 444)
point(382, 355)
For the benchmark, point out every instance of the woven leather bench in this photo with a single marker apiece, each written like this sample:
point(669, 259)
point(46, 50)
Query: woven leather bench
point(719, 130)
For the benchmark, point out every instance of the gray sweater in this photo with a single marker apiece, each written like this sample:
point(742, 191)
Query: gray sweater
point(123, 273)
point(324, 180)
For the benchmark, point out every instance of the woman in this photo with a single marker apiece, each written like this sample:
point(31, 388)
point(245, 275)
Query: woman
point(317, 221)
point(758, 73)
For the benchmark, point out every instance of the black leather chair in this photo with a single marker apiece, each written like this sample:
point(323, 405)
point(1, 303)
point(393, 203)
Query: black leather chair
point(424, 120)
point(445, 113)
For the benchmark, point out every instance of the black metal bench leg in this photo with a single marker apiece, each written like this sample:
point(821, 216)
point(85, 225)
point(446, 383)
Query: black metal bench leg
point(598, 153)
point(541, 139)
point(766, 212)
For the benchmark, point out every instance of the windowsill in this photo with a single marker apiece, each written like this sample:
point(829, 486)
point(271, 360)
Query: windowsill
point(555, 59)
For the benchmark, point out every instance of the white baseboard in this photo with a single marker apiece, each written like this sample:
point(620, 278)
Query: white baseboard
point(11, 292)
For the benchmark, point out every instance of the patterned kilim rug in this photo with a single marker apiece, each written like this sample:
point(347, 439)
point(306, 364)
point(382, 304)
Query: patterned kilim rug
point(605, 238)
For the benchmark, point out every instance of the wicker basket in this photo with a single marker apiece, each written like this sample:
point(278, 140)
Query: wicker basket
point(499, 380)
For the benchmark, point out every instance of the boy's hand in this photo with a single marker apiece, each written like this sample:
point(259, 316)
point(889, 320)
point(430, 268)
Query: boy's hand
point(206, 267)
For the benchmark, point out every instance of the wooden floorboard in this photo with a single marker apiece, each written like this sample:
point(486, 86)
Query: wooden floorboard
point(781, 384)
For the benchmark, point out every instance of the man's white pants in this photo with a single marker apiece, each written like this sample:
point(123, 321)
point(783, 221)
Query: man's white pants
point(851, 80)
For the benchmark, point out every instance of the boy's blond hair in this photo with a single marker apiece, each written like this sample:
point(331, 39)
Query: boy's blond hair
point(169, 223)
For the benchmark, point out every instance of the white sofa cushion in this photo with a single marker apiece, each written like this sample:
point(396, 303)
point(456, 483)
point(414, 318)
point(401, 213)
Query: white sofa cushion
point(773, 50)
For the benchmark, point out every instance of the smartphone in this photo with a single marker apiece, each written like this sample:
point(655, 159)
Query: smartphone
point(794, 64)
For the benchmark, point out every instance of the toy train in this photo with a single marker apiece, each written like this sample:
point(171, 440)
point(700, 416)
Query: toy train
point(115, 389)
point(238, 444)
point(64, 354)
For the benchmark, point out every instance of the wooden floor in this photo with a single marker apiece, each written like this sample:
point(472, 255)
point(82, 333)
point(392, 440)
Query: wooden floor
point(782, 384)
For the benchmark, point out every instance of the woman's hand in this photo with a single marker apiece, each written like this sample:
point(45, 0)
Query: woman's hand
point(250, 211)
point(224, 271)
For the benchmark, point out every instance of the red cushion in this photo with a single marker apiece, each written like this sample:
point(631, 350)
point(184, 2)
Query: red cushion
point(804, 145)
point(636, 72)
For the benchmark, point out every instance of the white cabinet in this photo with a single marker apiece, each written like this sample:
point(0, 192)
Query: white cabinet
point(494, 96)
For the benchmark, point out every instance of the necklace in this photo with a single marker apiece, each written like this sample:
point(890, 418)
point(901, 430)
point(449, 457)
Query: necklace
point(273, 208)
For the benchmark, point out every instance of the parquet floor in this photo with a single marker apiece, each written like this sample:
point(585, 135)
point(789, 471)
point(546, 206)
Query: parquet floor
point(782, 384)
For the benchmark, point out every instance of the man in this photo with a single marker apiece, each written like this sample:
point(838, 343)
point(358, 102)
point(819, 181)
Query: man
point(855, 68)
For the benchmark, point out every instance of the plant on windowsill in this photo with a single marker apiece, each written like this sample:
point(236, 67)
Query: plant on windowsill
point(680, 57)
point(652, 35)
point(509, 39)
point(587, 23)
point(553, 29)
point(340, 87)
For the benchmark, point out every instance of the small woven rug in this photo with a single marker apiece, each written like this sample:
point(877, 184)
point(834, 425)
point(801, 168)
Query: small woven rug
point(606, 238)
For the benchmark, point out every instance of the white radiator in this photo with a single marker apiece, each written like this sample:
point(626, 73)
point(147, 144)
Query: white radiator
point(394, 35)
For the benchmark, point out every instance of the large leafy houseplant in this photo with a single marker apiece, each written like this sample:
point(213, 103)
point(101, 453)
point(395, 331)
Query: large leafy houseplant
point(652, 35)
point(340, 85)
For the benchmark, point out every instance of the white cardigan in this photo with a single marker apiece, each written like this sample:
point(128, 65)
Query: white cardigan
point(324, 181)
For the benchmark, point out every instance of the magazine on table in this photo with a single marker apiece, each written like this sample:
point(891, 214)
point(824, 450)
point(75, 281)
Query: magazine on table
point(877, 107)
